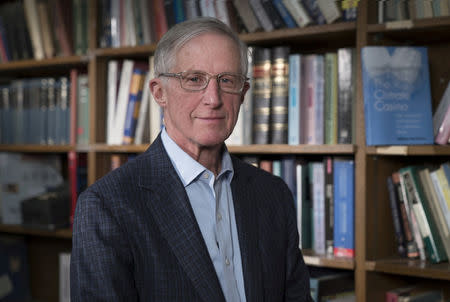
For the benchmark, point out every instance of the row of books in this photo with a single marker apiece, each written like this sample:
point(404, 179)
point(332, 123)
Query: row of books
point(331, 285)
point(397, 98)
point(133, 117)
point(399, 10)
point(138, 22)
point(420, 202)
point(39, 111)
point(298, 99)
point(38, 29)
point(412, 293)
point(324, 200)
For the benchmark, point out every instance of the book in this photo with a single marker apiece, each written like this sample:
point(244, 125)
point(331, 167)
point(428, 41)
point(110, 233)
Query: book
point(330, 10)
point(330, 98)
point(304, 205)
point(111, 98)
point(32, 18)
point(422, 296)
point(261, 95)
point(64, 276)
point(279, 95)
point(122, 102)
point(394, 294)
point(261, 15)
point(82, 109)
point(421, 209)
point(294, 116)
point(397, 100)
point(412, 250)
point(247, 107)
point(14, 269)
point(344, 205)
point(396, 217)
point(312, 7)
point(346, 99)
point(326, 282)
point(142, 134)
point(156, 113)
point(298, 12)
point(133, 106)
point(273, 14)
point(329, 205)
point(284, 14)
point(47, 36)
point(247, 15)
point(317, 176)
point(437, 214)
point(441, 119)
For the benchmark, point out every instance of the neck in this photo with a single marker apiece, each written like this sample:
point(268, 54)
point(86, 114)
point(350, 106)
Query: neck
point(209, 157)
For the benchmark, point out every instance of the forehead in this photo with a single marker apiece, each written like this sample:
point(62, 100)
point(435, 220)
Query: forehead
point(211, 52)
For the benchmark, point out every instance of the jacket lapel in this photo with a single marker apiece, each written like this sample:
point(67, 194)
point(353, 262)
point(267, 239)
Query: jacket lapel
point(247, 225)
point(171, 210)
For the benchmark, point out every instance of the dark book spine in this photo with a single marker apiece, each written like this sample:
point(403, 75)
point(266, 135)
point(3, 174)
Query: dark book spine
point(410, 244)
point(329, 205)
point(280, 95)
point(273, 14)
point(261, 95)
point(398, 228)
point(346, 95)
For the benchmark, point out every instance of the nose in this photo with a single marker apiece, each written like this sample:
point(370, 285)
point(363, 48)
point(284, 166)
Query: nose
point(211, 94)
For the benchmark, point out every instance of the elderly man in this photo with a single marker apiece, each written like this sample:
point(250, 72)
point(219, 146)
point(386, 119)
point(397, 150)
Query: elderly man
point(187, 221)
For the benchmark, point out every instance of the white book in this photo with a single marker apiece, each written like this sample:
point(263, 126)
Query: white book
point(297, 12)
point(155, 110)
point(32, 19)
point(143, 117)
point(207, 8)
point(221, 11)
point(130, 24)
point(64, 277)
point(122, 102)
point(294, 99)
point(115, 23)
point(329, 9)
point(318, 185)
point(111, 98)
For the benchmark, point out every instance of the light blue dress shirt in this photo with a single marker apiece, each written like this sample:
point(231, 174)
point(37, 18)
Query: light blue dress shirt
point(212, 202)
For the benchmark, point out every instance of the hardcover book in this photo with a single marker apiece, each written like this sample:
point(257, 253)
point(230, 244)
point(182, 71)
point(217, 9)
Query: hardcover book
point(397, 98)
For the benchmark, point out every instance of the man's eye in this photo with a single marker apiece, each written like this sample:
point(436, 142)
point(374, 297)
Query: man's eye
point(195, 78)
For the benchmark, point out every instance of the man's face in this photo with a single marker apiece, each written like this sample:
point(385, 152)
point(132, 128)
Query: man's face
point(199, 119)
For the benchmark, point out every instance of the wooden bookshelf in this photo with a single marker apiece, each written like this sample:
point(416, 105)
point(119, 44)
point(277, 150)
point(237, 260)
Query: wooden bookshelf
point(375, 266)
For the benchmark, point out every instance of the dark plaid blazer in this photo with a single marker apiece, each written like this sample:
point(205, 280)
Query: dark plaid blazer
point(135, 237)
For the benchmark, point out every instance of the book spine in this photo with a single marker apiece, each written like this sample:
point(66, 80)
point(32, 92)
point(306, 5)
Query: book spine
point(344, 186)
point(346, 94)
point(273, 14)
point(143, 119)
point(298, 12)
point(319, 99)
point(284, 14)
point(261, 95)
point(51, 120)
point(329, 206)
point(134, 101)
point(161, 23)
point(412, 250)
point(294, 99)
point(313, 10)
point(331, 99)
point(443, 134)
point(83, 110)
point(393, 202)
point(32, 18)
point(279, 95)
point(422, 213)
point(111, 95)
point(73, 106)
point(261, 15)
point(318, 197)
point(43, 111)
point(330, 10)
point(304, 206)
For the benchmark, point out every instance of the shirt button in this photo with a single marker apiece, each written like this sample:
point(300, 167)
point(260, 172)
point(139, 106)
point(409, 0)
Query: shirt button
point(206, 175)
point(227, 262)
point(219, 217)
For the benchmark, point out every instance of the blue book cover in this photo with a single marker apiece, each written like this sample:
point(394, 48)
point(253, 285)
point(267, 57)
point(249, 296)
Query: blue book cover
point(287, 18)
point(344, 195)
point(397, 98)
point(294, 99)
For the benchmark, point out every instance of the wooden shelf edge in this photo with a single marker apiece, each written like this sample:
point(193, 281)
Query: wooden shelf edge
point(413, 268)
point(37, 148)
point(416, 24)
point(327, 261)
point(409, 150)
point(307, 31)
point(21, 230)
point(126, 51)
point(297, 149)
point(56, 61)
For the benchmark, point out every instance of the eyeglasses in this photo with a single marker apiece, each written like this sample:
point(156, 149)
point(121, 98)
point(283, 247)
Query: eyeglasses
point(199, 80)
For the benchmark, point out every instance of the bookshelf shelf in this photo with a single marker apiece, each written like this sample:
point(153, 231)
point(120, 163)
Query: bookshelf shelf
point(298, 149)
point(37, 148)
point(314, 259)
point(414, 268)
point(409, 150)
point(131, 51)
point(20, 230)
point(345, 31)
point(65, 62)
point(119, 148)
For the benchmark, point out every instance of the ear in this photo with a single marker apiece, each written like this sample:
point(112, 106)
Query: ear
point(244, 91)
point(158, 92)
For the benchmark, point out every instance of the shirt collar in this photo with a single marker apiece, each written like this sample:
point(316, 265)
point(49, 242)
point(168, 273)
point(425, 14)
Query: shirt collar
point(187, 168)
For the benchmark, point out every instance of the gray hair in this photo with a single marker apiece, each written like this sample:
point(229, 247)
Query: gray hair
point(182, 33)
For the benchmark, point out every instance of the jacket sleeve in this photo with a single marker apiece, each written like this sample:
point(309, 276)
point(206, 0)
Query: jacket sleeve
point(101, 261)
